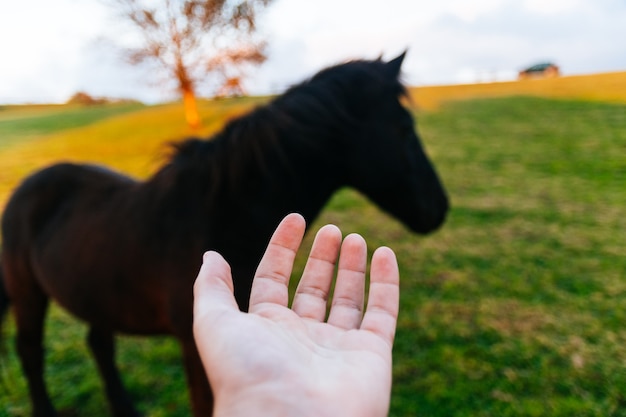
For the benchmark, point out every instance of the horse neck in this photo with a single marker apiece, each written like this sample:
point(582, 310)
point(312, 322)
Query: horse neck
point(296, 174)
point(242, 184)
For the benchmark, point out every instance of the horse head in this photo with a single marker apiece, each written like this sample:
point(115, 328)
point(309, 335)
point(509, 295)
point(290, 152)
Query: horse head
point(386, 160)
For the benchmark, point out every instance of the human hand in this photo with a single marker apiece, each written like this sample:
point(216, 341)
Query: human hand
point(294, 361)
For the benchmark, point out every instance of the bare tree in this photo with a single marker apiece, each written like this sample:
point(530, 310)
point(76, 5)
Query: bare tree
point(190, 40)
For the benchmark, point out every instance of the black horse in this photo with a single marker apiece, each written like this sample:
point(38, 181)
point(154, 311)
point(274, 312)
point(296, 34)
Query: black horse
point(122, 255)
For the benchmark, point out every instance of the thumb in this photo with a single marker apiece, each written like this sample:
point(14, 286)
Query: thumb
point(213, 289)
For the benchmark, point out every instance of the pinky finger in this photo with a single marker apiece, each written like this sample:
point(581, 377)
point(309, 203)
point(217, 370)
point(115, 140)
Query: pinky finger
point(383, 301)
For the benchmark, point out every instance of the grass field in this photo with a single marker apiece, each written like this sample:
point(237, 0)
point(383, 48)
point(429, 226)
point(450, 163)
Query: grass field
point(514, 308)
point(21, 123)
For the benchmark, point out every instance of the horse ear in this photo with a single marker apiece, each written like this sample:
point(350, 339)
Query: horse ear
point(393, 67)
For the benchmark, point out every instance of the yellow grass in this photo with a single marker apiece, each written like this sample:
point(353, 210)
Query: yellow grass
point(609, 87)
point(133, 143)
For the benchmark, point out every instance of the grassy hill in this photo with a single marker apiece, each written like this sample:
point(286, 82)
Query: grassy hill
point(21, 123)
point(514, 308)
point(606, 87)
point(129, 138)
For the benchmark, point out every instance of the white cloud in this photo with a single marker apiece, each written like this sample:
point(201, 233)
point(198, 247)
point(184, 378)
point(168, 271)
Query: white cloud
point(469, 11)
point(552, 6)
point(40, 47)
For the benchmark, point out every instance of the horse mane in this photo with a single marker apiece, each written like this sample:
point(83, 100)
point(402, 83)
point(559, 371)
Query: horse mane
point(373, 76)
point(329, 103)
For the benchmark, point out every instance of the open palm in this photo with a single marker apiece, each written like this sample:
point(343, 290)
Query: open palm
point(300, 360)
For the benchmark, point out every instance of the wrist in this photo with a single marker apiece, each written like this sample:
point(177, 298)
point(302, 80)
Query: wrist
point(289, 400)
point(263, 401)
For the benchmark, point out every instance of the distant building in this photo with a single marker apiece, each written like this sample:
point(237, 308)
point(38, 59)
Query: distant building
point(543, 70)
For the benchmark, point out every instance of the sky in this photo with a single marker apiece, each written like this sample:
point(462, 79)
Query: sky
point(51, 49)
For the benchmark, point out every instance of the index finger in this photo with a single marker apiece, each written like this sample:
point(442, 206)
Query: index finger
point(271, 279)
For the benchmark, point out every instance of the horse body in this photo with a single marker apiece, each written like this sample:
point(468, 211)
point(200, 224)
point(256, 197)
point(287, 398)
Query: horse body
point(122, 255)
point(68, 217)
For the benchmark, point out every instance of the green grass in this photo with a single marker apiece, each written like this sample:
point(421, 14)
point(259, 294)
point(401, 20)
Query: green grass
point(514, 308)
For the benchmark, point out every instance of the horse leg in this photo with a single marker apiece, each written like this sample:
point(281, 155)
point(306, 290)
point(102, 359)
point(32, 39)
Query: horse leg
point(199, 389)
point(30, 312)
point(102, 346)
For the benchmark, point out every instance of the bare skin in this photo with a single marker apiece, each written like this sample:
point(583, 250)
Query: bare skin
point(300, 361)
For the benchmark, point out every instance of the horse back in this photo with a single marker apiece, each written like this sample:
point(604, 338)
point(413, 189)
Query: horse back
point(43, 196)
